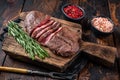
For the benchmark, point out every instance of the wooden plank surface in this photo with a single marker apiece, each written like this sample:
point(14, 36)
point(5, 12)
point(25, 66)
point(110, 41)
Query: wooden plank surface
point(114, 7)
point(92, 71)
point(7, 7)
point(104, 54)
point(8, 10)
point(45, 6)
point(16, 51)
point(95, 71)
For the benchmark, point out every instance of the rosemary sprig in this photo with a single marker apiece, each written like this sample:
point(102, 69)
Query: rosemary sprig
point(29, 44)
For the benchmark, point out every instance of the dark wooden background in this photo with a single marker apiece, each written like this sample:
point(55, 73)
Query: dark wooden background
point(92, 71)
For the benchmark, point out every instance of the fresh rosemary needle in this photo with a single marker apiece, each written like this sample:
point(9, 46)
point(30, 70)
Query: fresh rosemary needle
point(29, 44)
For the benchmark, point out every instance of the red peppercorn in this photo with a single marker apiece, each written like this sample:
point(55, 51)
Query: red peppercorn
point(73, 11)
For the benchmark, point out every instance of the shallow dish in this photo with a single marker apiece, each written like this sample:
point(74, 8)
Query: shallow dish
point(102, 25)
point(73, 12)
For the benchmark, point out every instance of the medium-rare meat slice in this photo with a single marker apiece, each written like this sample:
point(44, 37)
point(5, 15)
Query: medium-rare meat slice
point(41, 28)
point(47, 19)
point(60, 39)
point(54, 27)
point(46, 40)
point(45, 29)
point(33, 19)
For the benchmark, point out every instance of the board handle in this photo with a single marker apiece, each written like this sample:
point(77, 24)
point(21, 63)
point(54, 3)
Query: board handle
point(99, 53)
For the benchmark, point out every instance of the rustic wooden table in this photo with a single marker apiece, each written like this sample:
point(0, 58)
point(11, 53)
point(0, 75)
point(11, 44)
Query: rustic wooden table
point(92, 71)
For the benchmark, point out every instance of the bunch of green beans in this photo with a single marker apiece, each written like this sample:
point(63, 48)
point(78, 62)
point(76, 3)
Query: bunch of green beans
point(29, 44)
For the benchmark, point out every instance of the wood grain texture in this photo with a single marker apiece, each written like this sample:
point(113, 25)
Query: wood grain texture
point(8, 10)
point(97, 72)
point(104, 55)
point(45, 6)
point(14, 63)
point(117, 43)
point(115, 12)
point(92, 71)
point(55, 62)
point(96, 8)
point(114, 7)
point(12, 9)
point(2, 59)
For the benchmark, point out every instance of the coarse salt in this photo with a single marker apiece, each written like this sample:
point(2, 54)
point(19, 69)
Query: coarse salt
point(102, 24)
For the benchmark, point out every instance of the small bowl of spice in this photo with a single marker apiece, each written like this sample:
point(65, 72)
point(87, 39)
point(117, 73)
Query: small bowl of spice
point(73, 12)
point(102, 25)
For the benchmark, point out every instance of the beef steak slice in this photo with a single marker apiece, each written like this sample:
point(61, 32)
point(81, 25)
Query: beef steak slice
point(64, 41)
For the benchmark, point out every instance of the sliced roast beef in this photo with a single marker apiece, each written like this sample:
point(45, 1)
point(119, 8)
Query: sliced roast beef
point(54, 27)
point(65, 42)
point(46, 40)
point(33, 19)
point(60, 39)
point(47, 19)
point(48, 26)
point(40, 29)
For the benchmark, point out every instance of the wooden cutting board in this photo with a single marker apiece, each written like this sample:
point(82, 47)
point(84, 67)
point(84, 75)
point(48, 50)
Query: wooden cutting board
point(103, 54)
point(55, 62)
